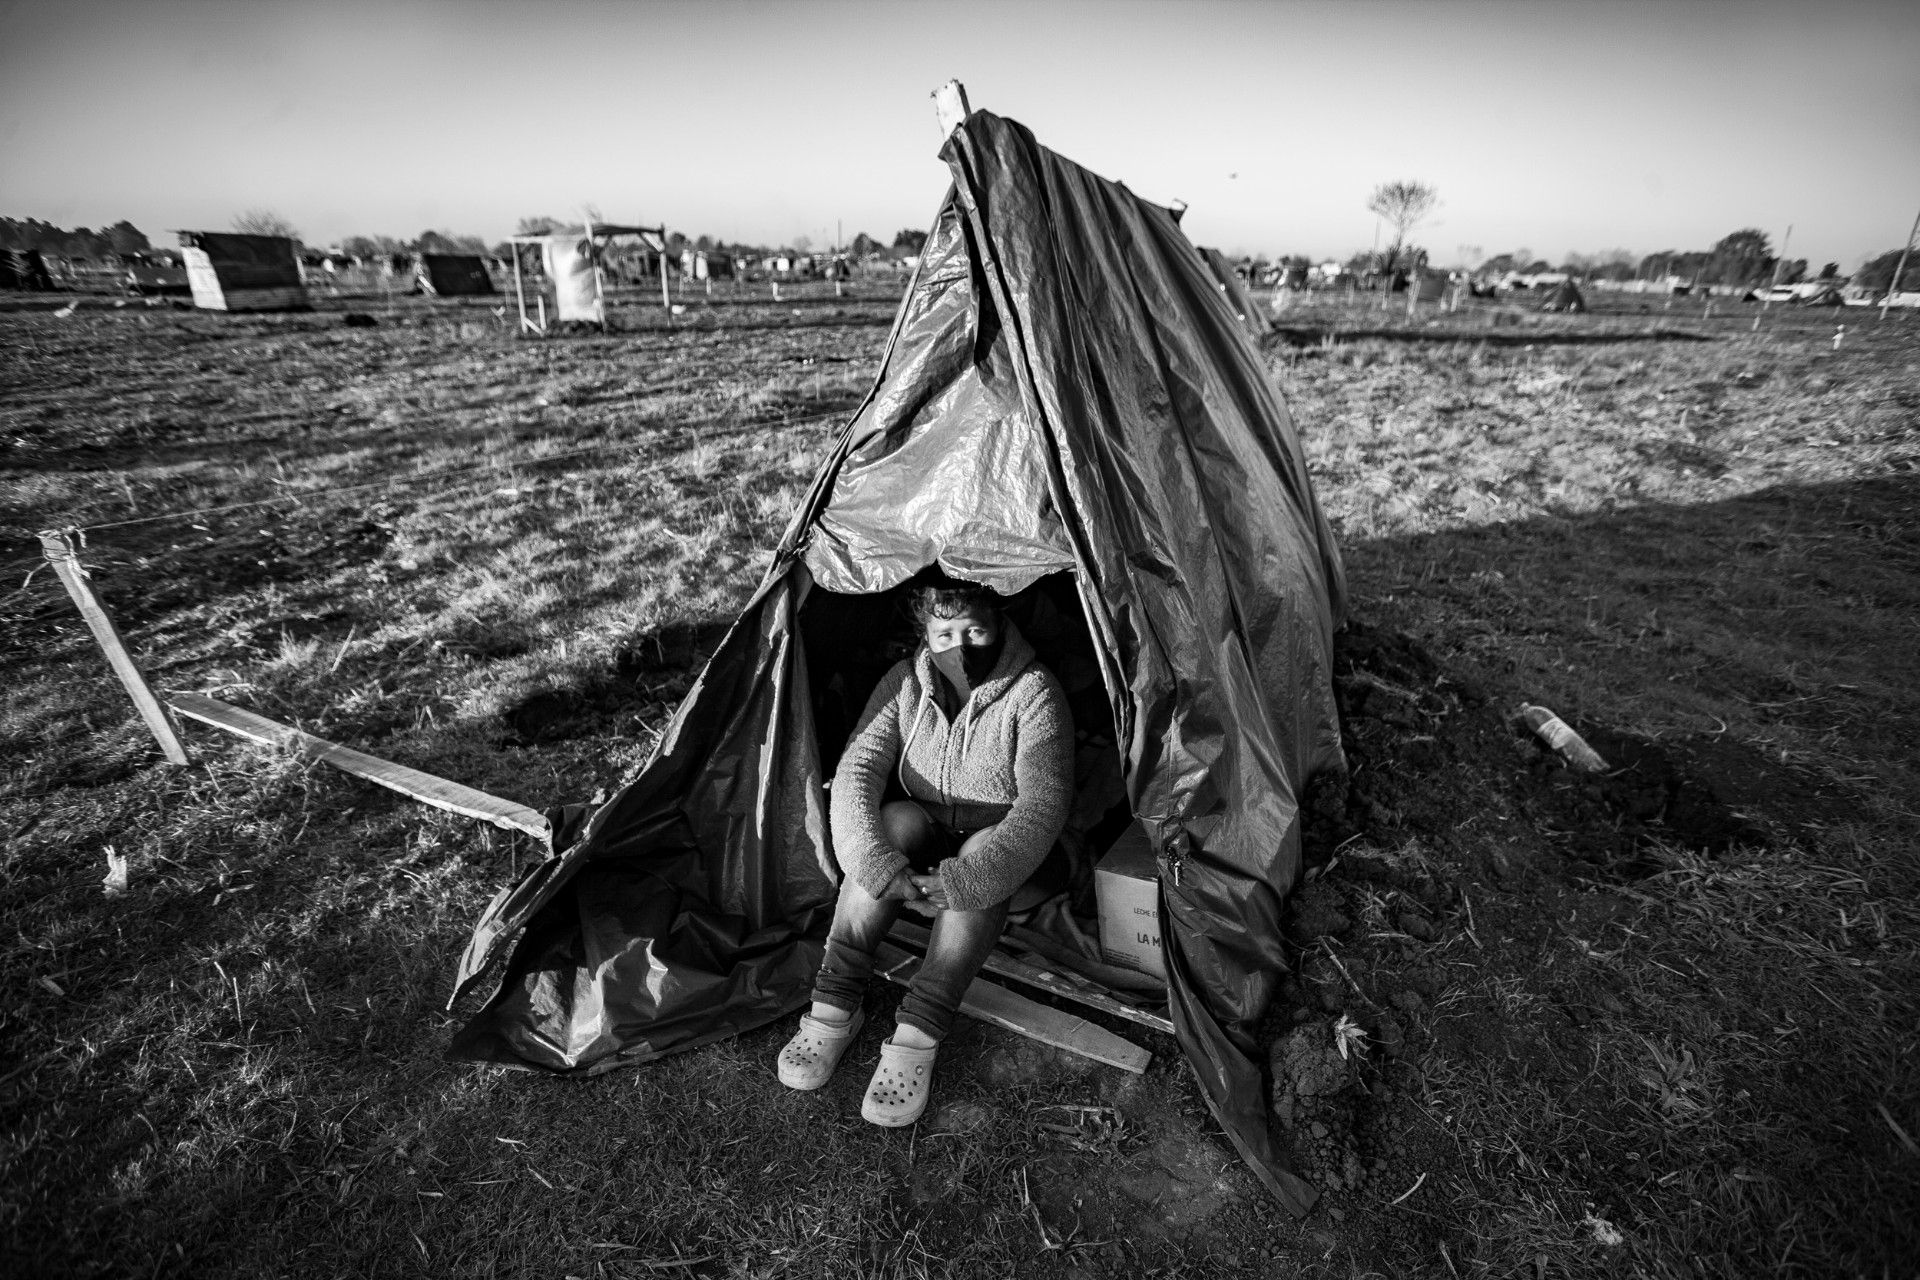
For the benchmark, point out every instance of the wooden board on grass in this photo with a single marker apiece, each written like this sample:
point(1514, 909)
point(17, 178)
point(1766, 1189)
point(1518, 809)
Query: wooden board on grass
point(1036, 1021)
point(425, 787)
point(1054, 984)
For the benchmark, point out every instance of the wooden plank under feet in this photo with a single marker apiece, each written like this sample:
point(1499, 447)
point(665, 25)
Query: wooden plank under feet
point(1030, 1018)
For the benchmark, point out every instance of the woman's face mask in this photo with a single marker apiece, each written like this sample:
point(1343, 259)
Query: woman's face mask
point(966, 648)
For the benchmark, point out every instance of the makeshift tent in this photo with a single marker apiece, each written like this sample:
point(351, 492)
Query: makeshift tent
point(1830, 296)
point(1234, 289)
point(233, 272)
point(157, 277)
point(24, 269)
point(573, 263)
point(1067, 411)
point(1565, 297)
point(452, 275)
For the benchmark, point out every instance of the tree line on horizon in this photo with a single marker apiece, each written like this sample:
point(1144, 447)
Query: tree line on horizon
point(1744, 257)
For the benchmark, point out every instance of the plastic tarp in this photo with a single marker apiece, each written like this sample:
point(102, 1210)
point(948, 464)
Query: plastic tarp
point(570, 263)
point(1565, 297)
point(1064, 386)
point(1236, 292)
point(452, 275)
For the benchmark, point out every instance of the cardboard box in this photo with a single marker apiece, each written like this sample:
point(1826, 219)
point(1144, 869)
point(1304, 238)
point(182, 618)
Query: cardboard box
point(1126, 884)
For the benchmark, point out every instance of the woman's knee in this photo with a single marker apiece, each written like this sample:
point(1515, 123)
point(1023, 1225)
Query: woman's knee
point(977, 840)
point(907, 825)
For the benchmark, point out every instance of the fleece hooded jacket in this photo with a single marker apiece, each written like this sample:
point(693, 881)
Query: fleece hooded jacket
point(1005, 761)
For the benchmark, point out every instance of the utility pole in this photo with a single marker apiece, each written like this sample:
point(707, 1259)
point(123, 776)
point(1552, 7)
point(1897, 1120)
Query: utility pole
point(1899, 268)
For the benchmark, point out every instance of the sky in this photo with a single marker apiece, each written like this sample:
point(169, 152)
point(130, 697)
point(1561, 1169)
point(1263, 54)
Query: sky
point(1554, 125)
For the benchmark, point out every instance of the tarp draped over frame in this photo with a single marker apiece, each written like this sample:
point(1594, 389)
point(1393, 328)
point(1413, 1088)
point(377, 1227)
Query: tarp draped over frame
point(569, 261)
point(1065, 387)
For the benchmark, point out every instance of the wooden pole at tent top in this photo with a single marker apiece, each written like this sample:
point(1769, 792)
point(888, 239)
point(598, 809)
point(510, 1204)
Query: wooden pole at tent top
point(64, 556)
point(1899, 269)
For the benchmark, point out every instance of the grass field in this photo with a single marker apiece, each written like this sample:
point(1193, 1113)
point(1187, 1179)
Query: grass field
point(1659, 1024)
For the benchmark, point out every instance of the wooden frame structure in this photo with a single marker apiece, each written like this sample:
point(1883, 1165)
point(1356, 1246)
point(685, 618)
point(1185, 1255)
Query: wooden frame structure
point(654, 238)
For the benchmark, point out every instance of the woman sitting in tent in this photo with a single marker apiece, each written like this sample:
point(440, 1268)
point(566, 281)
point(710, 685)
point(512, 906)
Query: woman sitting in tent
point(979, 735)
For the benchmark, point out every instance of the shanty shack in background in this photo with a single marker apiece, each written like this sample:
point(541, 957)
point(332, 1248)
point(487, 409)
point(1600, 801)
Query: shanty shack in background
point(229, 271)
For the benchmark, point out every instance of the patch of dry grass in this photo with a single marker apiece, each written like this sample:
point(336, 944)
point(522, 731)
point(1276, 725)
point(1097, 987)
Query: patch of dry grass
point(234, 1067)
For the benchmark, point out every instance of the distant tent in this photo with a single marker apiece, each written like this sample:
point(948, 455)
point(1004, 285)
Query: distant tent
point(233, 272)
point(1234, 289)
point(1830, 296)
point(24, 269)
point(1068, 412)
point(1565, 297)
point(157, 278)
point(452, 275)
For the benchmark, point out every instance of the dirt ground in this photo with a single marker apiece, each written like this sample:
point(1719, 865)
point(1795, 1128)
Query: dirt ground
point(1659, 1021)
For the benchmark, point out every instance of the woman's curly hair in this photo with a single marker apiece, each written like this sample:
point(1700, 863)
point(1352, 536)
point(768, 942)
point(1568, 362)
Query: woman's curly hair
point(950, 599)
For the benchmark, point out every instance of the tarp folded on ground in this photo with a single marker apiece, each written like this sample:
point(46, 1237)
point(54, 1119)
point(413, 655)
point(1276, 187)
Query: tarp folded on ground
point(1070, 412)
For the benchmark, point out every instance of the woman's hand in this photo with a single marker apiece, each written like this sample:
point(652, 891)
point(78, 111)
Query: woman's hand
point(901, 889)
point(934, 890)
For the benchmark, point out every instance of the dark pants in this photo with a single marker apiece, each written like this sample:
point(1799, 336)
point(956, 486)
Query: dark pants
point(959, 946)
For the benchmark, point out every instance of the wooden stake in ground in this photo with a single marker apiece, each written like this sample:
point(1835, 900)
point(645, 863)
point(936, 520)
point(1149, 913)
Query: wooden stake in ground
point(64, 556)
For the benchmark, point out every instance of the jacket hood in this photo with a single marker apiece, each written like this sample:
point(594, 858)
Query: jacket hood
point(1016, 655)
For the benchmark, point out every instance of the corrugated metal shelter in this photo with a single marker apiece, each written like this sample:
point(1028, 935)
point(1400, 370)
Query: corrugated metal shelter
point(453, 275)
point(230, 271)
point(1069, 412)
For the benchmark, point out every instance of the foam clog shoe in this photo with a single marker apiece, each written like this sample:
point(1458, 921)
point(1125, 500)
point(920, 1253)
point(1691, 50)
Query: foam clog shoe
point(808, 1060)
point(897, 1095)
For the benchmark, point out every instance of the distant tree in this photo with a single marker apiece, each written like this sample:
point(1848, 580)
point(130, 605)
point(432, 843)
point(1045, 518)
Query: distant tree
point(1877, 273)
point(1498, 265)
point(863, 245)
point(1792, 272)
point(539, 224)
point(910, 240)
point(1535, 267)
point(1404, 205)
point(125, 238)
point(802, 244)
point(1612, 264)
point(434, 242)
point(359, 246)
point(1830, 271)
point(264, 222)
point(1745, 257)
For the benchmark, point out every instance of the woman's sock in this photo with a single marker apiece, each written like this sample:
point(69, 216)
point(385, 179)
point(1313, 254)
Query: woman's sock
point(908, 1036)
point(830, 1014)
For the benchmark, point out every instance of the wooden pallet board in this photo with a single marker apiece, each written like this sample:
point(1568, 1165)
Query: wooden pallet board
point(1030, 1018)
point(1082, 991)
point(421, 786)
